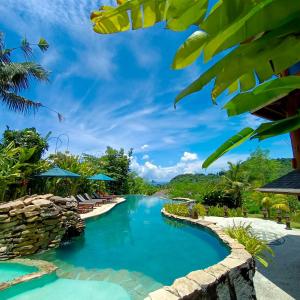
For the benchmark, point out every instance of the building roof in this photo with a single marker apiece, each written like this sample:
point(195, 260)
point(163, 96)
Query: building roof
point(287, 184)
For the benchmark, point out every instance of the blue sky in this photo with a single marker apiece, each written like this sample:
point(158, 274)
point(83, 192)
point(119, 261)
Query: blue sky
point(118, 90)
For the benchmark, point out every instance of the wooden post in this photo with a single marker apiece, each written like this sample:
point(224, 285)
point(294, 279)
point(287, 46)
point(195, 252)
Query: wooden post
point(293, 107)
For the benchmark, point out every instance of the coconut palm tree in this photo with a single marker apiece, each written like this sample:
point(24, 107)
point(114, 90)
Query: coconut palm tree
point(16, 76)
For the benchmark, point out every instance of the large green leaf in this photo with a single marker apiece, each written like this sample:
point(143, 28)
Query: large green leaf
point(251, 19)
point(137, 14)
point(190, 50)
point(263, 95)
point(271, 129)
point(249, 59)
point(230, 144)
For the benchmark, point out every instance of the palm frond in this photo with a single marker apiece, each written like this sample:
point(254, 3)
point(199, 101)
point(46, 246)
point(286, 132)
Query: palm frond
point(18, 103)
point(16, 76)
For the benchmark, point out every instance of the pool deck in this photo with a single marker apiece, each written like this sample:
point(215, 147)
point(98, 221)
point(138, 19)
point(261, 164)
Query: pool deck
point(281, 279)
point(102, 209)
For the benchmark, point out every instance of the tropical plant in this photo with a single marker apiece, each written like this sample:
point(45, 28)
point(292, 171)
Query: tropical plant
point(16, 169)
point(258, 40)
point(15, 77)
point(257, 247)
point(179, 209)
point(277, 202)
point(27, 138)
point(235, 183)
point(116, 164)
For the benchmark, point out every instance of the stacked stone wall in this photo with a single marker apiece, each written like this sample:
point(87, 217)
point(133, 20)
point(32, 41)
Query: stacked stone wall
point(35, 223)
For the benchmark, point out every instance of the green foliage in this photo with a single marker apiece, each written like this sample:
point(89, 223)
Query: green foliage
point(116, 164)
point(257, 247)
point(26, 138)
point(16, 77)
point(199, 209)
point(216, 211)
point(193, 186)
point(179, 209)
point(138, 185)
point(138, 14)
point(16, 169)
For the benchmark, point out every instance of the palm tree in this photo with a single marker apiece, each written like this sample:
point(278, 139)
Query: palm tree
point(235, 182)
point(16, 76)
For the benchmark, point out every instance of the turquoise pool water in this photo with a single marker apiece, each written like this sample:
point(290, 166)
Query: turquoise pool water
point(10, 271)
point(132, 250)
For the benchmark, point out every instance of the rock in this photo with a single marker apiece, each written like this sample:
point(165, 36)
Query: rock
point(17, 211)
point(35, 223)
point(30, 208)
point(42, 202)
point(162, 294)
point(5, 207)
point(185, 286)
point(17, 204)
point(30, 214)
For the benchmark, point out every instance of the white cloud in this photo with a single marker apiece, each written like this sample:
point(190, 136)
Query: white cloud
point(146, 157)
point(159, 173)
point(144, 147)
point(187, 156)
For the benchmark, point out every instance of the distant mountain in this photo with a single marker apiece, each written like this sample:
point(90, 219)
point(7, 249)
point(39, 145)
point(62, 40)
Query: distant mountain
point(194, 178)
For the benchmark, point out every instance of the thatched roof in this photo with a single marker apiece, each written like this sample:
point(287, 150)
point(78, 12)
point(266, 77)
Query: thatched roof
point(287, 184)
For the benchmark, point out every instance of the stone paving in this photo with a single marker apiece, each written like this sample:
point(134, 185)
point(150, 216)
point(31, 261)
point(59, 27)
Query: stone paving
point(281, 279)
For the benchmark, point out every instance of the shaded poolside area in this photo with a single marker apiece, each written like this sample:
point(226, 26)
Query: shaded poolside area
point(281, 279)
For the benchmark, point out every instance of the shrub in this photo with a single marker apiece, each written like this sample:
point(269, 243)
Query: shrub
point(200, 209)
point(257, 247)
point(216, 211)
point(179, 209)
point(238, 212)
point(218, 197)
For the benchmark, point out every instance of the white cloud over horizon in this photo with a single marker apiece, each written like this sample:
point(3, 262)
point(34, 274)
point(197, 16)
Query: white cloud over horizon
point(189, 163)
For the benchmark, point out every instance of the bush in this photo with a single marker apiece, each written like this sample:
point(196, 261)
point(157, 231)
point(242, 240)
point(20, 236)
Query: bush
point(238, 212)
point(257, 247)
point(218, 197)
point(178, 209)
point(216, 211)
point(200, 209)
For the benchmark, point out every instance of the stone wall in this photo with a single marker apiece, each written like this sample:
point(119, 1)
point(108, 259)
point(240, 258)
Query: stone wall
point(230, 279)
point(34, 223)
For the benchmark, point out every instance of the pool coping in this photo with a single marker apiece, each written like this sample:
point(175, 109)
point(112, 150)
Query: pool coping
point(199, 281)
point(102, 210)
point(44, 268)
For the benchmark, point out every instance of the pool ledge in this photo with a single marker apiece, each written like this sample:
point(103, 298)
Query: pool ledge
point(102, 209)
point(44, 268)
point(231, 278)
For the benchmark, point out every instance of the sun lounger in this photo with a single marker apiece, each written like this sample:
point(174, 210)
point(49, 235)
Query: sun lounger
point(83, 205)
point(97, 201)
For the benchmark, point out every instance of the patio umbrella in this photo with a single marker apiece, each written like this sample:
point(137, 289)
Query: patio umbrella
point(58, 172)
point(101, 177)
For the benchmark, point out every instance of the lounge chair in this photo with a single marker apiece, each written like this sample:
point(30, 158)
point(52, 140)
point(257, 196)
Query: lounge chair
point(97, 201)
point(83, 205)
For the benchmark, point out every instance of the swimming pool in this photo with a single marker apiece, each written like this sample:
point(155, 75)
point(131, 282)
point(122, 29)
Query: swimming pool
point(130, 251)
point(10, 271)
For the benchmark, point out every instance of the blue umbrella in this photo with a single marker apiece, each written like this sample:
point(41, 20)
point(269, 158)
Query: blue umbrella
point(58, 172)
point(101, 177)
